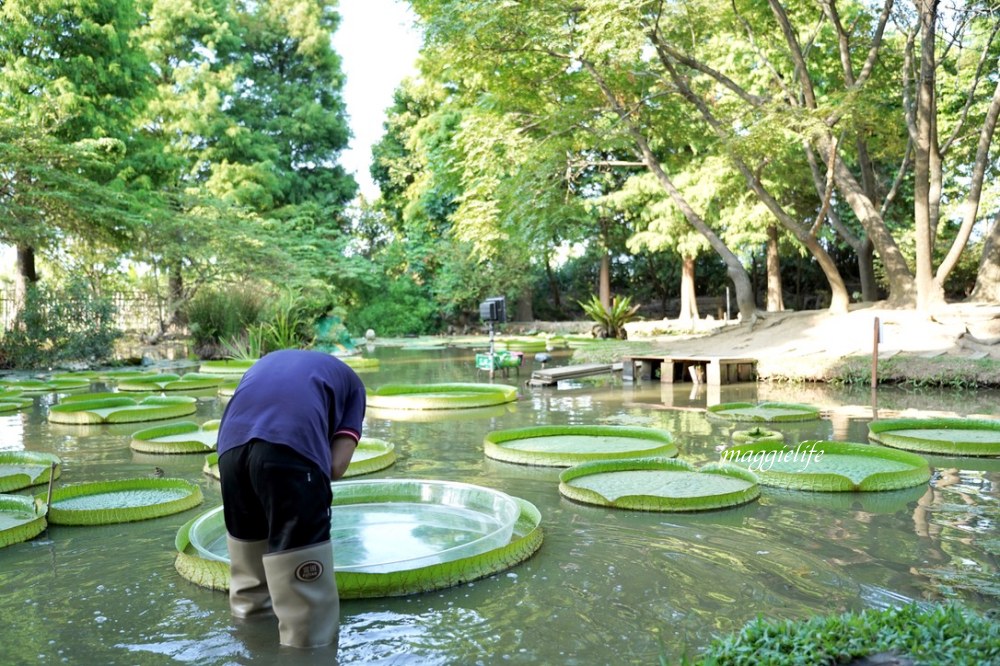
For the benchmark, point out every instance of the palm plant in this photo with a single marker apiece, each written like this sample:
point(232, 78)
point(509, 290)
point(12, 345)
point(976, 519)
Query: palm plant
point(612, 319)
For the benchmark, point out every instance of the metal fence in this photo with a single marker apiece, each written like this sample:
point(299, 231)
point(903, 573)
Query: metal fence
point(134, 312)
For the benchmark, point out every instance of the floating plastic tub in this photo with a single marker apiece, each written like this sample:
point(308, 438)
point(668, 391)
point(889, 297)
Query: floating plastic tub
point(389, 525)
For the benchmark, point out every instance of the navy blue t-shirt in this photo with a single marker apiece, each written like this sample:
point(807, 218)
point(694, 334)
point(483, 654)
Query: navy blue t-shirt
point(299, 398)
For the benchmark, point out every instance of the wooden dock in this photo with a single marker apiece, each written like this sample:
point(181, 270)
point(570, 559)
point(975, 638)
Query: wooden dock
point(712, 370)
point(550, 376)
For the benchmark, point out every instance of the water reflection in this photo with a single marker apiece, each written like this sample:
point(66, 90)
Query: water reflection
point(607, 586)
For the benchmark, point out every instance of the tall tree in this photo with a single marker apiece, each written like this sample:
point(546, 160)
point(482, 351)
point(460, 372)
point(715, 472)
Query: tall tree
point(74, 75)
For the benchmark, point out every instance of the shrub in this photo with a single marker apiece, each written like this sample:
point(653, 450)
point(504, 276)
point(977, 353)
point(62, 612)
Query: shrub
point(60, 324)
point(217, 315)
point(611, 320)
point(402, 309)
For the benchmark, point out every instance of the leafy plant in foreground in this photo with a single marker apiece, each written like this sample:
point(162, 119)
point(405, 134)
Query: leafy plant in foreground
point(612, 320)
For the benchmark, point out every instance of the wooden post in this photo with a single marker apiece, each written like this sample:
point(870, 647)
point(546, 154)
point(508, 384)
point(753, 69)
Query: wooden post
point(876, 338)
point(52, 480)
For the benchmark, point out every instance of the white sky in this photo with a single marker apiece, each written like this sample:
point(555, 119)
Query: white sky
point(378, 44)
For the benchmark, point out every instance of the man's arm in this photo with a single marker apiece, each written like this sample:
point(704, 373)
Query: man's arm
point(341, 451)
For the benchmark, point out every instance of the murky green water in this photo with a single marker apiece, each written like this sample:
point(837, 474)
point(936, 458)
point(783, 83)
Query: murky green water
point(606, 587)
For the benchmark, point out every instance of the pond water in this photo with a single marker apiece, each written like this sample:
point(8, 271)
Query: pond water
point(606, 587)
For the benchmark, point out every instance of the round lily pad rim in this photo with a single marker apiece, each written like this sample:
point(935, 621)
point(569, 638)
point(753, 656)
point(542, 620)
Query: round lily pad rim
point(20, 481)
point(881, 431)
point(641, 502)
point(918, 474)
point(28, 529)
point(403, 396)
point(493, 444)
point(109, 516)
point(805, 412)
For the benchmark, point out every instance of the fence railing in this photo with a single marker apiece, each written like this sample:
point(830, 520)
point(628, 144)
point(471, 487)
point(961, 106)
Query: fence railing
point(134, 312)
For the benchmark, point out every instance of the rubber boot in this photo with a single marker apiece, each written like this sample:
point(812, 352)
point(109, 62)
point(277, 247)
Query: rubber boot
point(248, 593)
point(304, 593)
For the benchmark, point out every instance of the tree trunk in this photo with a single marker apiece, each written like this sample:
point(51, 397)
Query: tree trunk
point(604, 281)
point(866, 271)
point(26, 273)
point(175, 296)
point(689, 296)
point(524, 311)
point(741, 281)
point(928, 293)
point(775, 301)
point(987, 289)
point(553, 286)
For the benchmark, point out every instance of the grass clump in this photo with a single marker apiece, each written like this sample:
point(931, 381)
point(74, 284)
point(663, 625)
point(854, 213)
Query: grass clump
point(937, 635)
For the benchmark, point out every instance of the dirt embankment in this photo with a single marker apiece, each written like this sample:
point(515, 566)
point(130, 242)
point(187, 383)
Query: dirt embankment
point(956, 345)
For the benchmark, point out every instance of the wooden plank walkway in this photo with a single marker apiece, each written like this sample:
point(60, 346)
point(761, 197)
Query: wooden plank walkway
point(713, 370)
point(550, 376)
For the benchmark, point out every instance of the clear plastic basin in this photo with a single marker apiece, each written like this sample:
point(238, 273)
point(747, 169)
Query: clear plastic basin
point(386, 525)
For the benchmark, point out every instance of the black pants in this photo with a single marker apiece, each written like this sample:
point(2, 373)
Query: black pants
point(271, 492)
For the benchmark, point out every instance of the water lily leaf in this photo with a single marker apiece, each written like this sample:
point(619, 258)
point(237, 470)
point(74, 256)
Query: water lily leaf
point(126, 500)
point(658, 484)
point(21, 519)
point(830, 466)
point(440, 396)
point(945, 436)
point(21, 469)
point(563, 446)
point(123, 409)
point(764, 411)
point(182, 437)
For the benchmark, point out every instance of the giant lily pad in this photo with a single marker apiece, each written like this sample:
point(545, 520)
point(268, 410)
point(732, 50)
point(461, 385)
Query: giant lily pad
point(127, 500)
point(764, 411)
point(122, 410)
point(944, 436)
point(757, 434)
point(658, 484)
point(440, 396)
point(438, 415)
point(226, 367)
point(192, 381)
point(372, 455)
point(12, 400)
point(47, 386)
point(830, 466)
point(183, 437)
point(21, 469)
point(361, 363)
point(394, 537)
point(524, 344)
point(563, 446)
point(21, 518)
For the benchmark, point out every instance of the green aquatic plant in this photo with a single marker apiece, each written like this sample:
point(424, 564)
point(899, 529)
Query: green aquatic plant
point(228, 367)
point(123, 409)
point(21, 518)
point(930, 635)
point(658, 484)
point(22, 469)
point(757, 434)
point(126, 500)
point(563, 446)
point(440, 396)
point(192, 381)
point(944, 436)
point(182, 437)
point(777, 412)
point(830, 466)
